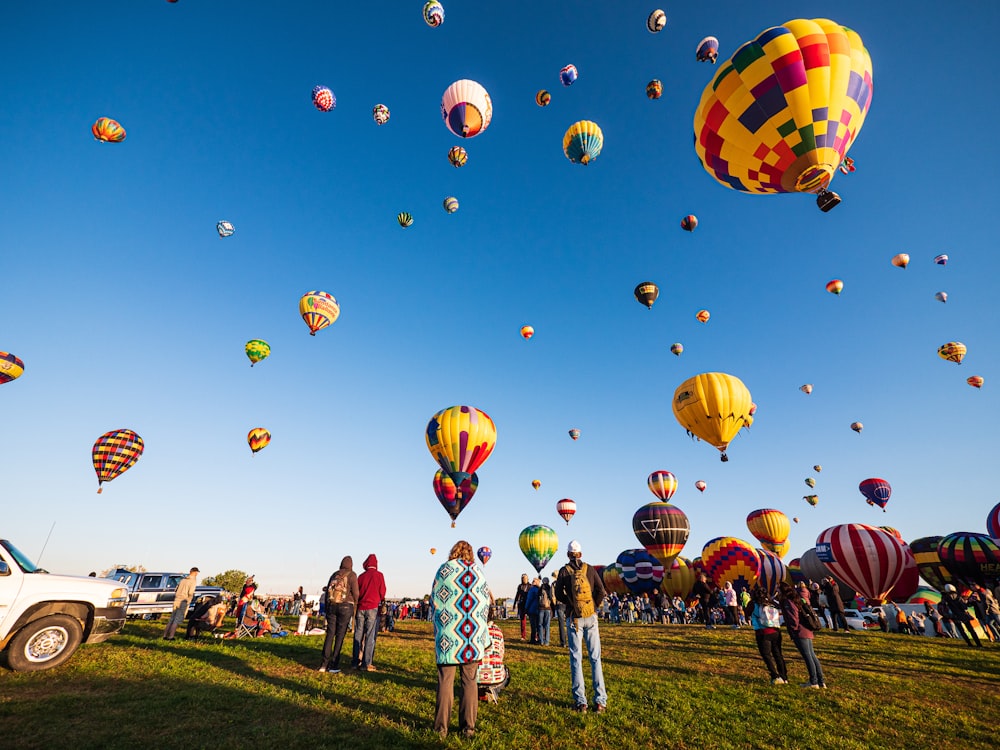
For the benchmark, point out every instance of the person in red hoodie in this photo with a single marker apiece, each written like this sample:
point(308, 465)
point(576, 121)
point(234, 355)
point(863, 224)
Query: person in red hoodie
point(371, 585)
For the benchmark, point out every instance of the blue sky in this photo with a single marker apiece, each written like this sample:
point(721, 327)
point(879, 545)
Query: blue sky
point(129, 311)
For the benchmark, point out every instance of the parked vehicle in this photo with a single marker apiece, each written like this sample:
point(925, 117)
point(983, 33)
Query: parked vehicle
point(45, 617)
point(152, 594)
point(859, 620)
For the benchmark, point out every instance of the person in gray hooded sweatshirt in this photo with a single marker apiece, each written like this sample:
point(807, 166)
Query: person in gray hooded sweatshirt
point(341, 599)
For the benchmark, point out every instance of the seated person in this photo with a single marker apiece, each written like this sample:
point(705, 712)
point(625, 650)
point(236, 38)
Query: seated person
point(493, 675)
point(207, 615)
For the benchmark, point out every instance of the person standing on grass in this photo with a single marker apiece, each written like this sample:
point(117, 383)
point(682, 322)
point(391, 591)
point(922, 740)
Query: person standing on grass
point(461, 599)
point(521, 602)
point(341, 598)
point(545, 603)
point(371, 588)
point(531, 607)
point(732, 615)
point(560, 610)
point(183, 596)
point(832, 590)
point(703, 590)
point(580, 588)
point(992, 611)
point(792, 606)
point(766, 623)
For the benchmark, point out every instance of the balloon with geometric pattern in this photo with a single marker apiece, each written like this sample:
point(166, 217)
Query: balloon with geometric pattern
point(538, 543)
point(461, 438)
point(663, 484)
point(484, 554)
point(323, 98)
point(662, 529)
point(114, 453)
point(640, 571)
point(771, 572)
point(319, 310)
point(646, 293)
point(433, 13)
point(454, 497)
point(11, 367)
point(780, 116)
point(466, 108)
point(971, 558)
point(258, 438)
point(405, 219)
point(730, 560)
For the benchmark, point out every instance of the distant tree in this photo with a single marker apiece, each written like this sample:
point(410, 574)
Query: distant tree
point(133, 568)
point(232, 580)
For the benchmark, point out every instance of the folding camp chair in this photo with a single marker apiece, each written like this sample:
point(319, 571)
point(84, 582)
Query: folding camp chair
point(206, 615)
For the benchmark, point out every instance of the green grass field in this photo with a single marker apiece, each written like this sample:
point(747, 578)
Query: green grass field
point(668, 686)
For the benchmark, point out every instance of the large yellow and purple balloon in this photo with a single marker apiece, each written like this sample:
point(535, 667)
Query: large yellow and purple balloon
point(461, 438)
point(454, 497)
point(583, 142)
point(466, 108)
point(780, 116)
point(663, 484)
point(114, 453)
point(713, 407)
point(258, 438)
point(11, 367)
point(319, 310)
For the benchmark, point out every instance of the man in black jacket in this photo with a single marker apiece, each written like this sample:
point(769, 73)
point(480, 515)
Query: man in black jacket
point(958, 608)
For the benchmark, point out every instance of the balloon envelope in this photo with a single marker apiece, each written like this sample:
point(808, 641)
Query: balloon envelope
point(319, 310)
point(542, 98)
point(771, 571)
point(114, 453)
point(769, 525)
point(575, 434)
point(900, 260)
point(323, 98)
point(953, 351)
point(656, 21)
point(568, 75)
point(107, 130)
point(929, 564)
point(707, 50)
point(613, 581)
point(971, 558)
point(663, 484)
point(256, 350)
point(640, 571)
point(225, 229)
point(678, 579)
point(868, 559)
point(466, 108)
point(461, 438)
point(646, 293)
point(380, 113)
point(258, 438)
point(702, 316)
point(700, 486)
point(993, 522)
point(458, 156)
point(454, 497)
point(566, 508)
point(484, 554)
point(876, 491)
point(662, 529)
point(433, 13)
point(730, 560)
point(538, 544)
point(11, 367)
point(713, 407)
point(527, 332)
point(583, 141)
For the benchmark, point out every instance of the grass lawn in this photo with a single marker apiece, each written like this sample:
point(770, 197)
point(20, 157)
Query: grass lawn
point(668, 687)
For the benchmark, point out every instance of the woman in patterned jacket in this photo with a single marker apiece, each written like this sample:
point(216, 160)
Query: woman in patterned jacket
point(461, 599)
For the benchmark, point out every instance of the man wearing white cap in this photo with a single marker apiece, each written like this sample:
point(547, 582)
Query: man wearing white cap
point(579, 587)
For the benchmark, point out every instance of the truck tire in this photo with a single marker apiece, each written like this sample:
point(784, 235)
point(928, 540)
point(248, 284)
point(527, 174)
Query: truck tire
point(44, 643)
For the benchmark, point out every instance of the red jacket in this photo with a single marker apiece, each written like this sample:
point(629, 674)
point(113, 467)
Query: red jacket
point(371, 585)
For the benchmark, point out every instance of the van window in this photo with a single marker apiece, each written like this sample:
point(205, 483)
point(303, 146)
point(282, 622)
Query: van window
point(150, 581)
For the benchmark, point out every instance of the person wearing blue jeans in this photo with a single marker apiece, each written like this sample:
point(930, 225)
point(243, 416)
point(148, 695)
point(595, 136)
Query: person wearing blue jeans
point(802, 636)
point(371, 594)
point(580, 588)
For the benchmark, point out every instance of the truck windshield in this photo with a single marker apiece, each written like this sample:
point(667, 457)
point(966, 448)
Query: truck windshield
point(22, 559)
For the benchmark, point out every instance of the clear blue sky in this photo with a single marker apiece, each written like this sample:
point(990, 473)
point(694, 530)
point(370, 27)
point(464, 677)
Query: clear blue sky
point(129, 311)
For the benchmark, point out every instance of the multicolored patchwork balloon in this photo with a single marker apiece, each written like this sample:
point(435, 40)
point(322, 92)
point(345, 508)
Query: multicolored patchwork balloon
point(257, 349)
point(114, 453)
point(380, 113)
point(461, 438)
point(258, 438)
point(484, 554)
point(11, 367)
point(971, 558)
point(613, 581)
point(654, 89)
point(458, 156)
point(538, 544)
point(107, 130)
point(663, 484)
point(433, 13)
point(454, 497)
point(640, 571)
point(728, 559)
point(319, 310)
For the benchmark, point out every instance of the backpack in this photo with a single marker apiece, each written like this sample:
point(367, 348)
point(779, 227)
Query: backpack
point(336, 590)
point(769, 616)
point(583, 597)
point(544, 602)
point(808, 618)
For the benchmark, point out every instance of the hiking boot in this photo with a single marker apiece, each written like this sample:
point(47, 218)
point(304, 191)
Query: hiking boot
point(333, 671)
point(601, 708)
point(371, 668)
point(581, 708)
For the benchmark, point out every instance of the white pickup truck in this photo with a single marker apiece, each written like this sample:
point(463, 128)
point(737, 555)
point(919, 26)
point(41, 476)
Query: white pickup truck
point(44, 617)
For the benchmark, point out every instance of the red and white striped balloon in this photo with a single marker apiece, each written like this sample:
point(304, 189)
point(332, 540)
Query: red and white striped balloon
point(566, 508)
point(867, 559)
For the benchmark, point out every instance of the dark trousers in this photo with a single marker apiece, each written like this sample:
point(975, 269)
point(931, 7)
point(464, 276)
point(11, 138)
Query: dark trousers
point(533, 621)
point(837, 615)
point(961, 625)
point(338, 617)
point(468, 701)
point(769, 645)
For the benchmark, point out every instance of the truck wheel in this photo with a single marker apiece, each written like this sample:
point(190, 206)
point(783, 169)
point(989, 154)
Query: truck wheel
point(44, 643)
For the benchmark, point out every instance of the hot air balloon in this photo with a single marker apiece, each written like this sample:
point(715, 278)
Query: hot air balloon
point(257, 350)
point(225, 229)
point(813, 500)
point(662, 529)
point(925, 595)
point(433, 550)
point(380, 113)
point(713, 407)
point(810, 482)
point(646, 293)
point(728, 559)
point(457, 156)
point(700, 485)
point(806, 389)
point(11, 367)
point(258, 438)
point(941, 296)
point(114, 453)
point(766, 123)
point(910, 578)
point(323, 98)
point(771, 571)
point(894, 531)
point(107, 130)
point(857, 427)
point(795, 571)
point(677, 349)
point(454, 497)
point(876, 491)
point(318, 310)
point(535, 483)
point(654, 89)
point(817, 468)
point(566, 508)
point(707, 50)
point(527, 332)
point(780, 549)
point(613, 581)
point(568, 75)
point(461, 438)
point(656, 21)
point(405, 219)
point(538, 544)
point(466, 108)
point(640, 571)
point(689, 223)
point(846, 166)
point(678, 579)
point(941, 260)
point(583, 142)
point(769, 525)
point(900, 260)
point(702, 316)
point(971, 558)
point(869, 560)
point(542, 98)
point(575, 434)
point(433, 13)
point(835, 287)
point(663, 484)
point(484, 554)
point(929, 563)
point(993, 522)
point(451, 204)
point(953, 351)
point(796, 519)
